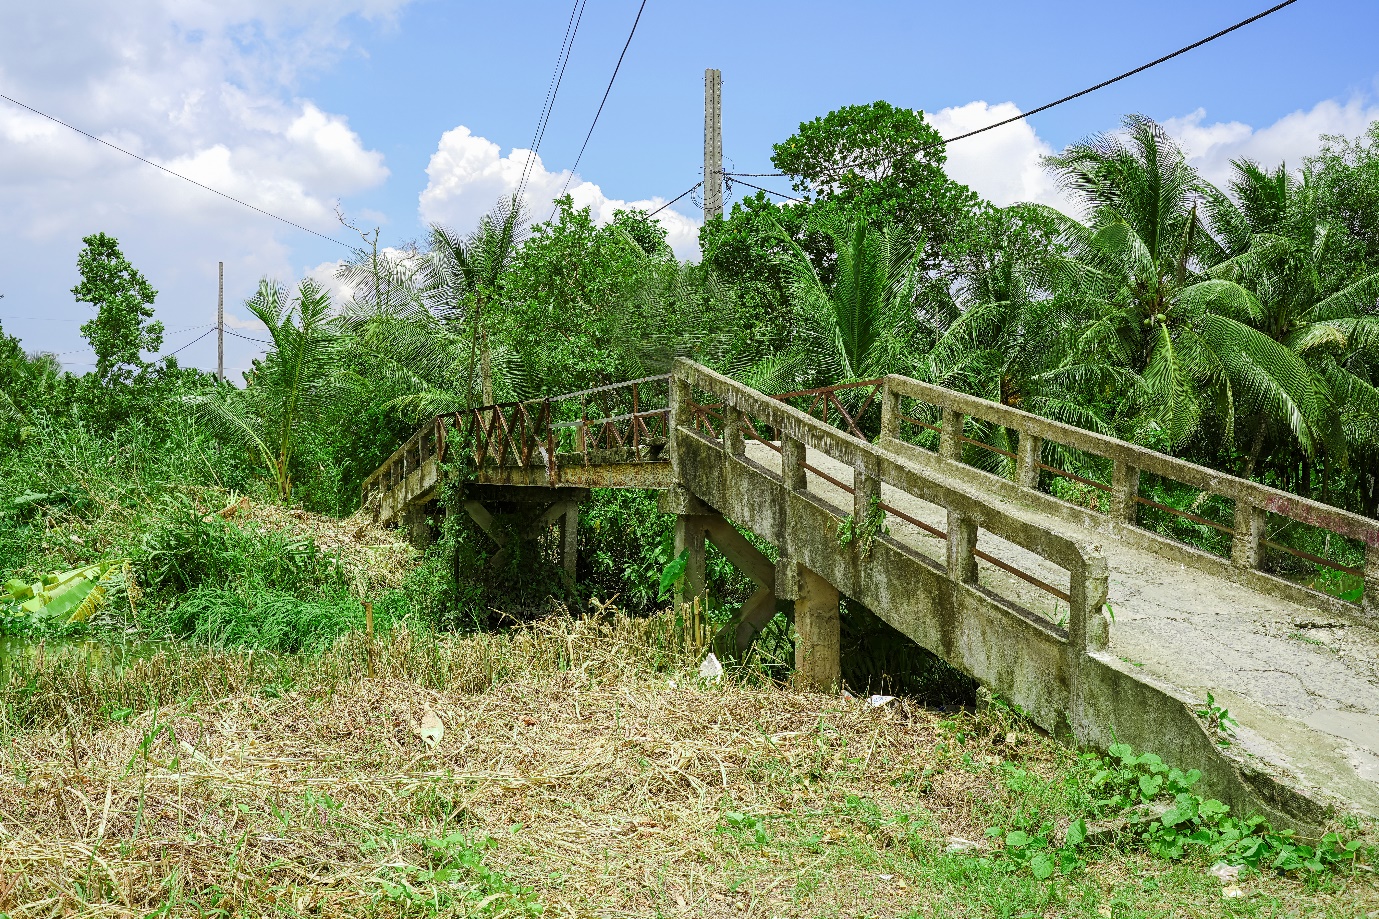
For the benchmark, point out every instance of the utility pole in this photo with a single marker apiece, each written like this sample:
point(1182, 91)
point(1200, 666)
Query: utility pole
point(220, 328)
point(713, 144)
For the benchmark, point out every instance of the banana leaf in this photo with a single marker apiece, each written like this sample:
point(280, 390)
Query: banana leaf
point(71, 595)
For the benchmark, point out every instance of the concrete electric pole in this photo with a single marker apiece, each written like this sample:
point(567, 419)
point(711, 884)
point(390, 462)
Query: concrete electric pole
point(220, 328)
point(713, 144)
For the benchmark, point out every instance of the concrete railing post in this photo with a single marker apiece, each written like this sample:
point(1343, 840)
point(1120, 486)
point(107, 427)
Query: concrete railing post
point(866, 494)
point(962, 545)
point(1027, 460)
point(792, 463)
point(817, 633)
point(1089, 628)
point(950, 436)
point(679, 400)
point(1369, 600)
point(1249, 534)
point(1125, 488)
point(733, 444)
point(890, 412)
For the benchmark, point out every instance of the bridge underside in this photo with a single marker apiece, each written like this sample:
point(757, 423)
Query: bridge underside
point(1006, 584)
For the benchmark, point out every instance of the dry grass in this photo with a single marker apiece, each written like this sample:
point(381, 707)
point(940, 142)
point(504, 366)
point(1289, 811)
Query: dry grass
point(375, 558)
point(606, 778)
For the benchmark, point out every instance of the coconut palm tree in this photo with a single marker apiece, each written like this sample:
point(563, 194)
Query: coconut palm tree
point(869, 320)
point(464, 279)
point(1136, 267)
point(288, 390)
point(1275, 245)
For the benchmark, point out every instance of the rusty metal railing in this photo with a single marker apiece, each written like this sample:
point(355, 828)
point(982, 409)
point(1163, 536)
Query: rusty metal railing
point(630, 418)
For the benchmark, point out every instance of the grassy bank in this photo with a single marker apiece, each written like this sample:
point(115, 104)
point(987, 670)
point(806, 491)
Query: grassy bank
point(584, 769)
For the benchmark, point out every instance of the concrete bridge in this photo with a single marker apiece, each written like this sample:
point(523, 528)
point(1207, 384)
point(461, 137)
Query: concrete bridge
point(1099, 627)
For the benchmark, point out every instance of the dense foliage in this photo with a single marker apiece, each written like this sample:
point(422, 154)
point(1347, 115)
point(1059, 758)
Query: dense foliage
point(1236, 326)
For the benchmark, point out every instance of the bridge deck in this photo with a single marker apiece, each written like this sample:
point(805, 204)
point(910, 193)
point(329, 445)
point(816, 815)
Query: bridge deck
point(1306, 697)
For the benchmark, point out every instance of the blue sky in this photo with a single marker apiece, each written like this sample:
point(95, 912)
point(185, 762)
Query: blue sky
point(408, 110)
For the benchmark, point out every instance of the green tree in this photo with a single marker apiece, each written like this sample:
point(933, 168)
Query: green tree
point(878, 162)
point(1346, 173)
point(1013, 339)
point(291, 389)
point(123, 299)
point(466, 277)
point(1136, 269)
point(866, 321)
point(1280, 246)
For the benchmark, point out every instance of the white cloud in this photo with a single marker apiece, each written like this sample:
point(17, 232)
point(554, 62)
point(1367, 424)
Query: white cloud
point(1295, 136)
point(207, 89)
point(468, 174)
point(1003, 165)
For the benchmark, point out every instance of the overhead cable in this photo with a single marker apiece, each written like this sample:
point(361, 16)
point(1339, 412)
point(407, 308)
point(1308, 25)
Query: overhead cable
point(768, 191)
point(676, 198)
point(1043, 108)
point(176, 175)
point(567, 45)
point(606, 91)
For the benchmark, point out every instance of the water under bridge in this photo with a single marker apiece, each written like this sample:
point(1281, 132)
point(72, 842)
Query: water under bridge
point(1078, 609)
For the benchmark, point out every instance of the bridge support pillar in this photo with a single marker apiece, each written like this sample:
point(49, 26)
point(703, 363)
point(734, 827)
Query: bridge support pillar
point(417, 519)
point(691, 534)
point(569, 538)
point(817, 633)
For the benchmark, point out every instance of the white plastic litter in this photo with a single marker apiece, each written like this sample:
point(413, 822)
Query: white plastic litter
point(711, 669)
point(958, 844)
point(1226, 874)
point(878, 701)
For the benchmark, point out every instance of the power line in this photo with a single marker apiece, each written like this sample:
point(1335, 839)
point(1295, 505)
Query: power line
point(1048, 105)
point(176, 175)
point(676, 198)
point(767, 190)
point(184, 347)
point(608, 90)
point(247, 338)
point(567, 46)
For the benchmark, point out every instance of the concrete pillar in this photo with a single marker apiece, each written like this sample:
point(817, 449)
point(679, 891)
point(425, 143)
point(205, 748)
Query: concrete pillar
point(1027, 462)
point(890, 412)
point(866, 489)
point(733, 444)
point(1369, 600)
point(817, 662)
point(690, 532)
point(950, 435)
point(420, 532)
point(792, 463)
point(569, 538)
point(1249, 534)
point(1089, 627)
point(1125, 488)
point(962, 545)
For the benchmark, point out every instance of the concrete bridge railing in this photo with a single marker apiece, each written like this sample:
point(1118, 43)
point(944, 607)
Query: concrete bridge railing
point(1253, 502)
point(1024, 656)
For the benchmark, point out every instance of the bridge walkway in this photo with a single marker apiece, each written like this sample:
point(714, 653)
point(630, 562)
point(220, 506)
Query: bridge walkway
point(991, 572)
